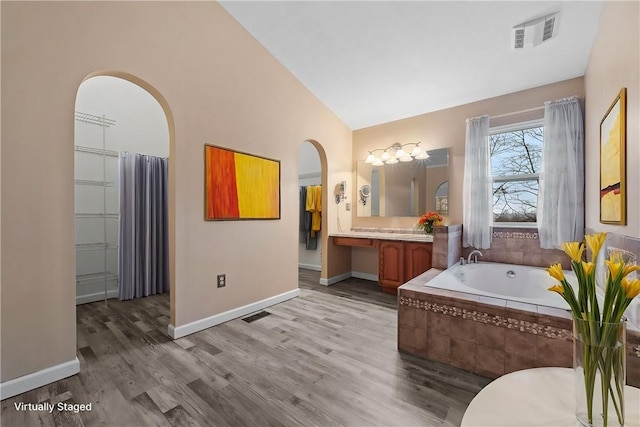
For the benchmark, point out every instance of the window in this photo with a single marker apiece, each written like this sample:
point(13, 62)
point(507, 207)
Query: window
point(442, 199)
point(516, 159)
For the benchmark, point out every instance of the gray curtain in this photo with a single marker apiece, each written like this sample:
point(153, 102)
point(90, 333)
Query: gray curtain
point(143, 251)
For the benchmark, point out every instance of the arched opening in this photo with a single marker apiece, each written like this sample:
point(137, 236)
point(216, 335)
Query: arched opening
point(118, 112)
point(312, 226)
point(442, 199)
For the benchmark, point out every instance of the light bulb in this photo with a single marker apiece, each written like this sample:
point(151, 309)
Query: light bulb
point(400, 153)
point(370, 158)
point(377, 162)
point(422, 156)
point(391, 161)
point(385, 156)
point(416, 151)
point(406, 158)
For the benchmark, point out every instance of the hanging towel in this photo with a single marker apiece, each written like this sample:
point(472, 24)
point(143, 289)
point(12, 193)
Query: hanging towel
point(303, 228)
point(316, 219)
point(314, 206)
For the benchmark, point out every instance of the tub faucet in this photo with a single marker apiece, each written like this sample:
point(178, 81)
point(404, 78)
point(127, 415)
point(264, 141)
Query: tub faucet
point(475, 258)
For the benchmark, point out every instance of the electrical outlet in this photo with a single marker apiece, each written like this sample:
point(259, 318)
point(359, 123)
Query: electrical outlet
point(222, 280)
point(348, 207)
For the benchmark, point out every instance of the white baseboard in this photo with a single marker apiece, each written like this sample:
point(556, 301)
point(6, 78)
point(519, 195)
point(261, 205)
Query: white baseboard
point(37, 379)
point(365, 276)
point(335, 279)
point(176, 332)
point(310, 267)
point(98, 296)
point(344, 276)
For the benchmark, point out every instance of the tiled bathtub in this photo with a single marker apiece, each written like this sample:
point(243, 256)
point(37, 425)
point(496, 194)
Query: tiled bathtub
point(489, 336)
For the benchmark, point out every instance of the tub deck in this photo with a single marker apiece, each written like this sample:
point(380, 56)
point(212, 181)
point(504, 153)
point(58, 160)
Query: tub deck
point(487, 335)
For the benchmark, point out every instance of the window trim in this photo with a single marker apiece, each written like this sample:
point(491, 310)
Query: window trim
point(509, 178)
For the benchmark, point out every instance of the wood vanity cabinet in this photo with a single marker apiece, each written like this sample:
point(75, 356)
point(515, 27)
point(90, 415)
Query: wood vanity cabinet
point(391, 265)
point(400, 262)
point(418, 258)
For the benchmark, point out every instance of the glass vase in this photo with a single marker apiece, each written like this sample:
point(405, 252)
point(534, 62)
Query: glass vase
point(599, 363)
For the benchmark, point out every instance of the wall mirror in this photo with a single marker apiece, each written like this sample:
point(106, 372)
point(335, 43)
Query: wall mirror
point(404, 189)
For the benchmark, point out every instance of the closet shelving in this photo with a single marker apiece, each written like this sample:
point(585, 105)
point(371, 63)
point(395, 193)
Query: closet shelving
point(96, 209)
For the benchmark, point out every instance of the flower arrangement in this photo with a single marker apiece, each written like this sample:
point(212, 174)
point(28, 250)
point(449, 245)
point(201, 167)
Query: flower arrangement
point(598, 340)
point(428, 221)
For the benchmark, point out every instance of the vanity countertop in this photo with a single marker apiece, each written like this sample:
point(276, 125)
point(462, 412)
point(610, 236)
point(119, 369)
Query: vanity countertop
point(405, 237)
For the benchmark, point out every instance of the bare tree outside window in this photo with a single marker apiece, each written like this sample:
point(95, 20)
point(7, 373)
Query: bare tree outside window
point(516, 159)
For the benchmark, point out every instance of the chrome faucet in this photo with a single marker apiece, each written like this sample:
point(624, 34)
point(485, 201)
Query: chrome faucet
point(475, 258)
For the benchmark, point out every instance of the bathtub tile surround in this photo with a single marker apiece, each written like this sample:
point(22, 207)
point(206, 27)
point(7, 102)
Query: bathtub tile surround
point(447, 245)
point(490, 336)
point(515, 235)
point(520, 246)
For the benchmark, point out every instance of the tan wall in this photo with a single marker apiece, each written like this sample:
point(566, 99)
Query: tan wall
point(447, 128)
point(222, 87)
point(614, 64)
point(364, 260)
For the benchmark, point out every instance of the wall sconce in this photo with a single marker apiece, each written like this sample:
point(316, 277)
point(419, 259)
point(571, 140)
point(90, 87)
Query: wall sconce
point(395, 153)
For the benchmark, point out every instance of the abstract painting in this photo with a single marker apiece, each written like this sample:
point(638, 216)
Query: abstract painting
point(240, 186)
point(613, 163)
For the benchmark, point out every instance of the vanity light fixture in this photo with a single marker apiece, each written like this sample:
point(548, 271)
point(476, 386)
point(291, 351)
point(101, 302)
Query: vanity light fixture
point(394, 153)
point(391, 160)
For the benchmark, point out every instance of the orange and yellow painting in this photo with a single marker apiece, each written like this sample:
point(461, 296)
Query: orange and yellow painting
point(612, 163)
point(240, 186)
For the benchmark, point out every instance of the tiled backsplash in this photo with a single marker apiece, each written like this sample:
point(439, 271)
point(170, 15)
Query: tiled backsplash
point(520, 246)
point(509, 245)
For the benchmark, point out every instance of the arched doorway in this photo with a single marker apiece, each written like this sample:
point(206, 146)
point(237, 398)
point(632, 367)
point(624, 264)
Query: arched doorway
point(115, 112)
point(312, 173)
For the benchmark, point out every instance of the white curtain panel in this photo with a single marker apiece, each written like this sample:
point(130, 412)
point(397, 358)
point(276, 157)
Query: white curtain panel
point(561, 189)
point(477, 197)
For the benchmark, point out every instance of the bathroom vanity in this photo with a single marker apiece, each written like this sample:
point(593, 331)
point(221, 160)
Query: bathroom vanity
point(401, 256)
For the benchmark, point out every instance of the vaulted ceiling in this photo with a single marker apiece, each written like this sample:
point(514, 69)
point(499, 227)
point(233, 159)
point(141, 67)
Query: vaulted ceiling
point(372, 62)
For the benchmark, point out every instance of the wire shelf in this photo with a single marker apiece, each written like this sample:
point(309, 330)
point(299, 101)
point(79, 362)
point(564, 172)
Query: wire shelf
point(96, 120)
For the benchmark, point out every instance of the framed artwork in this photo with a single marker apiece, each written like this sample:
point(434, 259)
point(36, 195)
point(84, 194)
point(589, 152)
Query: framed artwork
point(613, 163)
point(240, 186)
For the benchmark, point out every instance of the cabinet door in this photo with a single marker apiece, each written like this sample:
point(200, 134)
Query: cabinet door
point(418, 257)
point(391, 265)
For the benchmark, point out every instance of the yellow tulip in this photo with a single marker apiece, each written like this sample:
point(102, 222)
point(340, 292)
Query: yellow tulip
point(556, 272)
point(574, 250)
point(595, 242)
point(557, 288)
point(614, 267)
point(587, 267)
point(630, 268)
point(631, 287)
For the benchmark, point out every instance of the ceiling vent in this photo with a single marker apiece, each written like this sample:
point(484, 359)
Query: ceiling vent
point(534, 32)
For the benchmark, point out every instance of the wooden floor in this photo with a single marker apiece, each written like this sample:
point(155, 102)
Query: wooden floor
point(326, 358)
